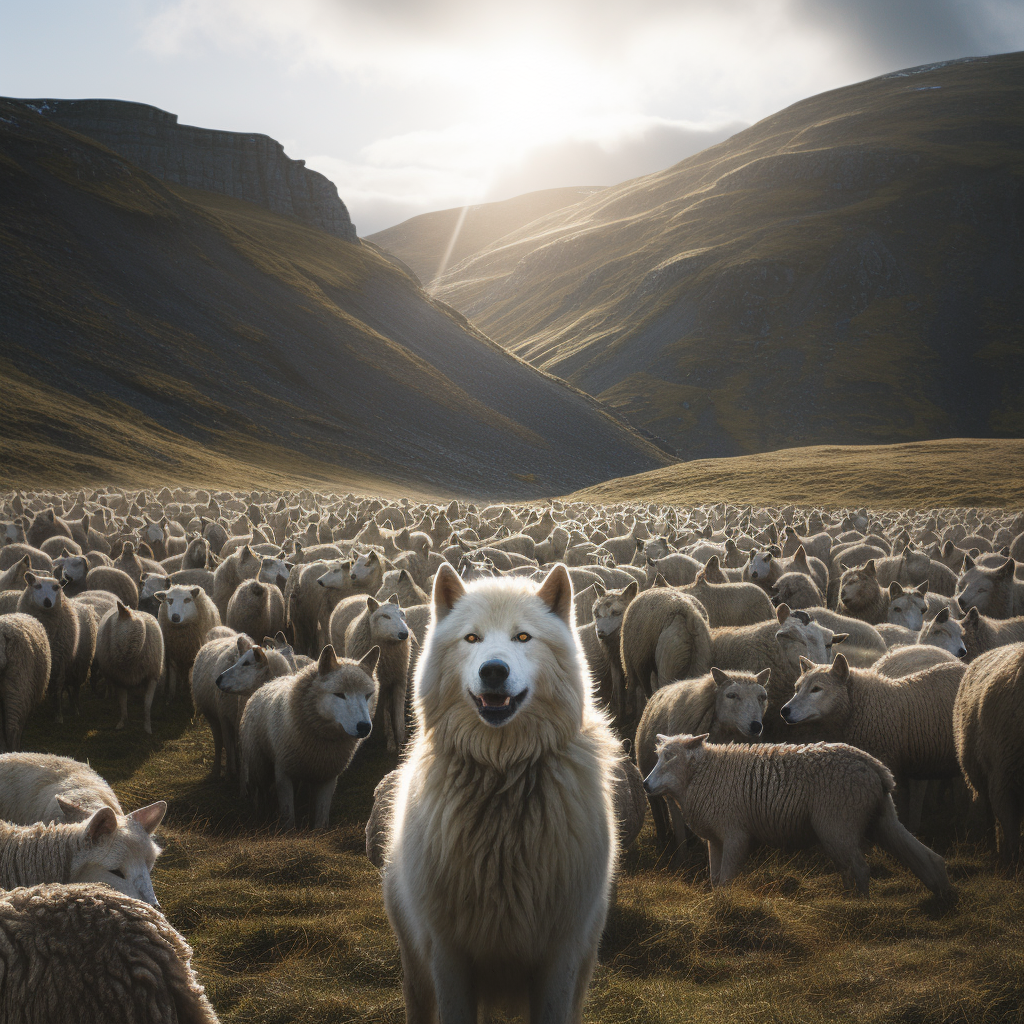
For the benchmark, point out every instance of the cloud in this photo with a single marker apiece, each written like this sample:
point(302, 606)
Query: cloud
point(476, 99)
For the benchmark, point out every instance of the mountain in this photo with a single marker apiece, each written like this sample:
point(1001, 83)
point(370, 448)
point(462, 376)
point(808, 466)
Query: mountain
point(423, 242)
point(847, 271)
point(153, 331)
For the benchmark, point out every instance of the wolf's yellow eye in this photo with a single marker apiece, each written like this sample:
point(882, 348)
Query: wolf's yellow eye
point(472, 638)
point(522, 637)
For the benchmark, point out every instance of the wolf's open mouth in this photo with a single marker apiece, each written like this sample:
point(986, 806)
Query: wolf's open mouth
point(496, 709)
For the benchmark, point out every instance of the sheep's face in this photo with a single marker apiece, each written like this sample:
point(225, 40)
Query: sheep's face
point(181, 604)
point(43, 591)
point(387, 622)
point(73, 568)
point(275, 572)
point(760, 566)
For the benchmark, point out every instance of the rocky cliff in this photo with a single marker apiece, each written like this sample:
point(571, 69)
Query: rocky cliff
point(238, 164)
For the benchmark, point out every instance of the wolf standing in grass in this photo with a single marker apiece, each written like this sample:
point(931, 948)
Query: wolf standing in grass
point(497, 875)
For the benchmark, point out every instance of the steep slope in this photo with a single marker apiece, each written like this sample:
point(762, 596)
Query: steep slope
point(423, 242)
point(845, 271)
point(202, 321)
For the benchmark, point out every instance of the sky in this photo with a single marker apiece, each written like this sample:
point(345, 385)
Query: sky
point(418, 105)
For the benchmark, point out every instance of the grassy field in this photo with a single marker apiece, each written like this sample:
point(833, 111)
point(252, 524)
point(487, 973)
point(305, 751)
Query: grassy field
point(924, 474)
point(291, 927)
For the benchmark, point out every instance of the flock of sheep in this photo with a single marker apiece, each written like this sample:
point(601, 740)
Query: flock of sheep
point(778, 675)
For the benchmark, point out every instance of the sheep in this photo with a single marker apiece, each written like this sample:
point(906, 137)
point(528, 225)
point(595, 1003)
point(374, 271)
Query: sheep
point(226, 672)
point(988, 725)
point(729, 604)
point(384, 626)
point(306, 727)
point(895, 636)
point(24, 674)
point(608, 609)
point(906, 724)
point(39, 560)
point(398, 581)
point(981, 633)
point(114, 581)
point(186, 616)
point(863, 645)
point(243, 564)
point(256, 608)
point(312, 593)
point(762, 568)
point(725, 705)
point(130, 655)
point(785, 795)
point(906, 661)
point(43, 599)
point(797, 590)
point(83, 954)
point(44, 525)
point(378, 825)
point(993, 591)
point(677, 568)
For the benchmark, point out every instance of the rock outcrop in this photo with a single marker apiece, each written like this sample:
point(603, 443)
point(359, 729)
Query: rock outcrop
point(243, 165)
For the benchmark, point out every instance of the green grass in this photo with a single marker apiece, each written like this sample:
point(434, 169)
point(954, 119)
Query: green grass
point(291, 927)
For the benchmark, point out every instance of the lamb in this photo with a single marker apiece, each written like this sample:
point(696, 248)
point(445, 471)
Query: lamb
point(186, 616)
point(83, 954)
point(130, 655)
point(784, 795)
point(226, 672)
point(981, 633)
point(727, 706)
point(94, 849)
point(988, 724)
point(256, 608)
point(906, 724)
point(306, 727)
point(383, 626)
point(24, 674)
point(994, 592)
point(43, 599)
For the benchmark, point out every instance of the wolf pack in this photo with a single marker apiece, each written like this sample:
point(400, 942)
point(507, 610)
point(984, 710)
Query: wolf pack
point(540, 675)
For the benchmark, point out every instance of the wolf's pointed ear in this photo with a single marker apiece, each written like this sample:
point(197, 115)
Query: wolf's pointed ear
point(72, 812)
point(630, 592)
point(448, 588)
point(841, 668)
point(782, 612)
point(721, 678)
point(368, 662)
point(102, 823)
point(556, 593)
point(328, 661)
point(806, 664)
point(150, 816)
point(763, 676)
point(693, 742)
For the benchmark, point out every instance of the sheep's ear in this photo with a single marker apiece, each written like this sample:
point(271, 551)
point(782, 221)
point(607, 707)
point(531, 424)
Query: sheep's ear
point(328, 661)
point(368, 662)
point(660, 581)
point(372, 604)
point(123, 611)
point(763, 676)
point(721, 678)
point(72, 811)
point(30, 578)
point(102, 823)
point(782, 612)
point(556, 593)
point(800, 555)
point(448, 588)
point(243, 643)
point(942, 616)
point(841, 668)
point(838, 638)
point(259, 654)
point(630, 591)
point(599, 589)
point(806, 664)
point(160, 596)
point(195, 591)
point(968, 564)
point(895, 590)
point(394, 599)
point(150, 816)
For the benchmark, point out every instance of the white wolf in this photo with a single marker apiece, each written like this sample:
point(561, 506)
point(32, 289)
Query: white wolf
point(497, 874)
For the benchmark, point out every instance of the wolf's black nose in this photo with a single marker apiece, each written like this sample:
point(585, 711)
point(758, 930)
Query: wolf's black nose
point(494, 673)
point(363, 728)
point(755, 728)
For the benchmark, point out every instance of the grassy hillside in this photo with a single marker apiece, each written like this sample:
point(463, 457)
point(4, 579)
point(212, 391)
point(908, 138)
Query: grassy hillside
point(423, 242)
point(846, 271)
point(291, 927)
point(926, 474)
point(148, 327)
